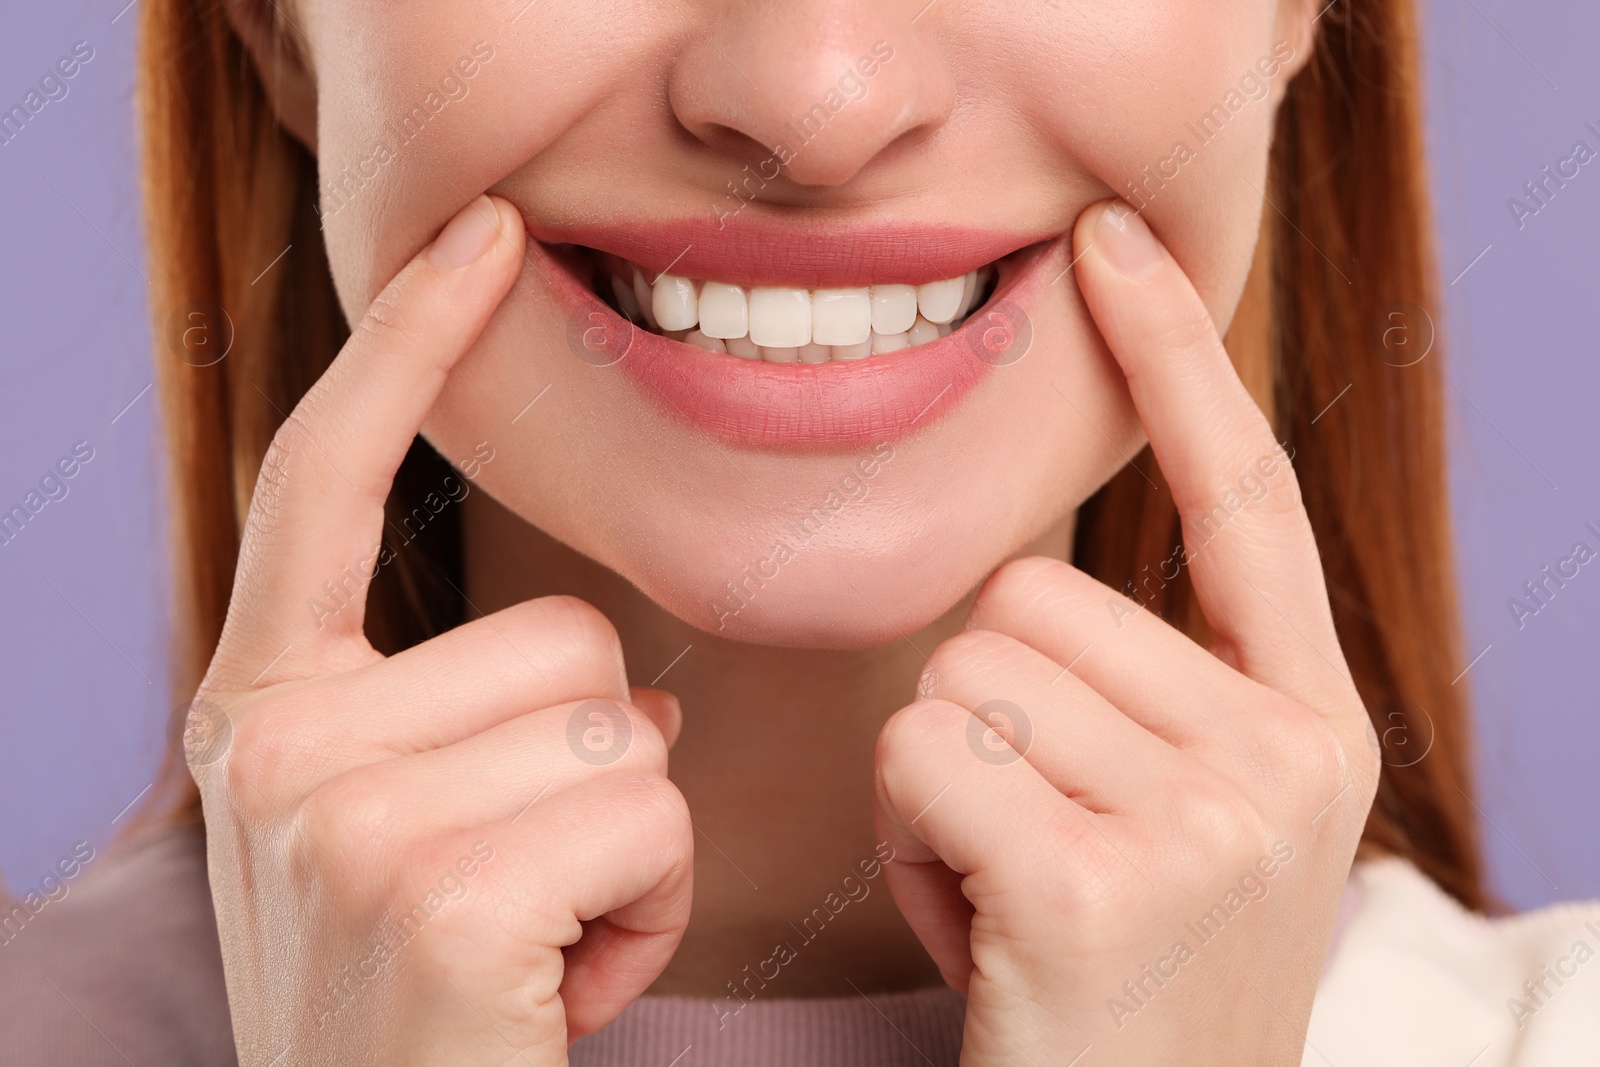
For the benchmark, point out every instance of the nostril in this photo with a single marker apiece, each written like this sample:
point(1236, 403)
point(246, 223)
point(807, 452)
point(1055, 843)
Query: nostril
point(738, 146)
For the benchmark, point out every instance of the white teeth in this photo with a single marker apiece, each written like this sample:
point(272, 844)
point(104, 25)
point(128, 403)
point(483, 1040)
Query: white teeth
point(894, 308)
point(922, 331)
point(888, 342)
point(780, 317)
point(969, 292)
point(723, 310)
point(641, 296)
point(698, 337)
point(743, 347)
point(784, 324)
point(675, 302)
point(841, 316)
point(980, 283)
point(938, 301)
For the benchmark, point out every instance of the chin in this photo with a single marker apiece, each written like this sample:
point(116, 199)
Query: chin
point(868, 585)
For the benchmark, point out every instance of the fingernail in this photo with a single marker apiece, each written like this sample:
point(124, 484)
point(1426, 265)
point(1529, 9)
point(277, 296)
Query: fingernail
point(1126, 241)
point(467, 236)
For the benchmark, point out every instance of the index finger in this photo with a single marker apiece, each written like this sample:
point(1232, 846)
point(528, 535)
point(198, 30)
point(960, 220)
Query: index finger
point(1247, 538)
point(317, 514)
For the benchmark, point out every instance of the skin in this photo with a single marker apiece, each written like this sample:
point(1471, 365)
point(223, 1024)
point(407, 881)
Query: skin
point(1148, 779)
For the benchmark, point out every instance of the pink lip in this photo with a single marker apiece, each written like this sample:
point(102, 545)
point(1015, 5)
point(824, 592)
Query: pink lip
point(798, 406)
point(806, 255)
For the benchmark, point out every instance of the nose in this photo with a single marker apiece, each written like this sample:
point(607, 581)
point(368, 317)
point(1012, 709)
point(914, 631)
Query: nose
point(822, 87)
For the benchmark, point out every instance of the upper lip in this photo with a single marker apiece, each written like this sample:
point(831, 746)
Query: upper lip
point(810, 255)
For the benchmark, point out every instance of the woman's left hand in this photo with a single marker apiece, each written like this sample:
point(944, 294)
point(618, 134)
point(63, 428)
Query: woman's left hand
point(1123, 847)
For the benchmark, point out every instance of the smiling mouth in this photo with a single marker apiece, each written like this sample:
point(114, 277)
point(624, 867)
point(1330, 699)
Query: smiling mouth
point(789, 324)
point(795, 336)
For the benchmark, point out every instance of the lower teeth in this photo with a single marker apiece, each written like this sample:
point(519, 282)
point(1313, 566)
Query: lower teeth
point(920, 334)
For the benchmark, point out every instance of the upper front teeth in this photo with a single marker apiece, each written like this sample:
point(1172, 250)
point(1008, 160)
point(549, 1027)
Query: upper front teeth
point(841, 316)
point(675, 303)
point(724, 312)
point(894, 308)
point(780, 318)
point(941, 301)
point(787, 324)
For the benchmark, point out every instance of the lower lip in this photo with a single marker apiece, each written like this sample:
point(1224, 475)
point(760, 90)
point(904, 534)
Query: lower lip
point(804, 406)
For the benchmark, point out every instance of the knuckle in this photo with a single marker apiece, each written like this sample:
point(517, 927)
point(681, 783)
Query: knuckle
point(1366, 772)
point(1094, 891)
point(677, 830)
point(1213, 818)
point(1262, 484)
point(265, 750)
point(580, 625)
point(385, 318)
point(649, 748)
point(1021, 581)
point(963, 655)
point(1369, 757)
point(294, 457)
point(1281, 496)
point(915, 728)
point(1321, 758)
point(1186, 331)
point(624, 737)
point(613, 736)
point(275, 475)
point(1296, 751)
point(438, 871)
point(655, 808)
point(532, 1010)
point(351, 822)
point(1036, 587)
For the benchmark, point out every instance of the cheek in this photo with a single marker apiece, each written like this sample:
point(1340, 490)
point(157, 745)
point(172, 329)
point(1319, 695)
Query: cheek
point(404, 135)
point(1151, 108)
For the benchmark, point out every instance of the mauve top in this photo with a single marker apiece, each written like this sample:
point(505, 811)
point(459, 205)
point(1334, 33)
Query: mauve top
point(126, 969)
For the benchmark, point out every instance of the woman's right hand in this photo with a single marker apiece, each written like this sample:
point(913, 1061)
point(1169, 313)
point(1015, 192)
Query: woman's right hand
point(405, 851)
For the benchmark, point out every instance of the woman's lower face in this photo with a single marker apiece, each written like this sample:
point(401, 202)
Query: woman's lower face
point(797, 348)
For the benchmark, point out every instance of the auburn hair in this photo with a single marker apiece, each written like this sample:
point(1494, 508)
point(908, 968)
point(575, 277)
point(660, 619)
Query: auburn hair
point(226, 190)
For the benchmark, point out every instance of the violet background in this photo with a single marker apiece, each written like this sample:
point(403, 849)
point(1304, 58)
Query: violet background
point(83, 615)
